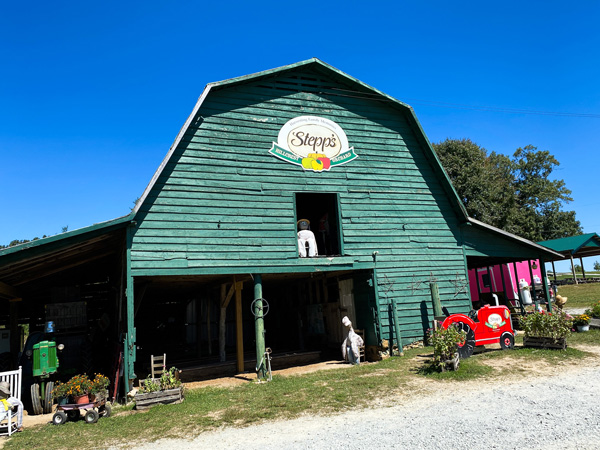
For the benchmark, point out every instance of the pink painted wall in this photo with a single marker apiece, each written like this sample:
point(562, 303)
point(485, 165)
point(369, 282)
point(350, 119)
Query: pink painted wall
point(512, 281)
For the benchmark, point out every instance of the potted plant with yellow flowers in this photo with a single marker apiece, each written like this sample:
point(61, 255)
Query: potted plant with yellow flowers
point(582, 322)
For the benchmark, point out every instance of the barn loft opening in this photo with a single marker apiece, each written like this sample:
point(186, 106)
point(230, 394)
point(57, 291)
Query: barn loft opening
point(322, 210)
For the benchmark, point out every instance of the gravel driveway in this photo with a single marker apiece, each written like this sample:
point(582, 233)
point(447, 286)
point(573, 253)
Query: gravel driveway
point(561, 410)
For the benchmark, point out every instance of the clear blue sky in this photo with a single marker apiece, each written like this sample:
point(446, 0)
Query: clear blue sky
point(92, 94)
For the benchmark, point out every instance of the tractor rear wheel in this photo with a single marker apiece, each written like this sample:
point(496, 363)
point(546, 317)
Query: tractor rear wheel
point(35, 399)
point(48, 401)
point(507, 341)
point(468, 347)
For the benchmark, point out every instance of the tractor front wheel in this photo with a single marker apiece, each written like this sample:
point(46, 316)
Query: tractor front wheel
point(468, 347)
point(507, 341)
point(48, 401)
point(35, 399)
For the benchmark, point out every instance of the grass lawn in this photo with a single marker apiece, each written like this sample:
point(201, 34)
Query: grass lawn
point(580, 295)
point(324, 392)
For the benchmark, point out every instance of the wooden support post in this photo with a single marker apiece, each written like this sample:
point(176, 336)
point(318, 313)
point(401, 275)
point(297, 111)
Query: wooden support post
point(225, 298)
point(259, 328)
point(478, 287)
point(518, 288)
point(573, 269)
point(554, 271)
point(438, 314)
point(15, 332)
point(582, 269)
point(533, 295)
point(501, 266)
point(397, 329)
point(129, 350)
point(239, 285)
point(208, 325)
point(545, 284)
point(377, 317)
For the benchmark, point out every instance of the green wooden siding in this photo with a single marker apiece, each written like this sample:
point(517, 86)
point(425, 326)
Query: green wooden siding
point(223, 204)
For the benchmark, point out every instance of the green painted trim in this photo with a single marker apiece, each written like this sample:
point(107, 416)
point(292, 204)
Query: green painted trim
point(377, 303)
point(467, 275)
point(267, 269)
point(50, 243)
point(545, 284)
point(259, 328)
point(339, 221)
point(129, 345)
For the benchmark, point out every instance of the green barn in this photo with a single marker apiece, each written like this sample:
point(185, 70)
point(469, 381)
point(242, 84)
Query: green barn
point(217, 228)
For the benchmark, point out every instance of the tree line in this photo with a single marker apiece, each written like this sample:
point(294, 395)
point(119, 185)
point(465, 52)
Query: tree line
point(515, 194)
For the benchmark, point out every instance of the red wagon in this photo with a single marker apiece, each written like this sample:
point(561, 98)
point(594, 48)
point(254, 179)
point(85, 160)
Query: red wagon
point(488, 325)
point(71, 411)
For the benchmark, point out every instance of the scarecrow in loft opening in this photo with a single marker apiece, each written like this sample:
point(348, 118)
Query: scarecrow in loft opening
point(8, 403)
point(350, 345)
point(305, 236)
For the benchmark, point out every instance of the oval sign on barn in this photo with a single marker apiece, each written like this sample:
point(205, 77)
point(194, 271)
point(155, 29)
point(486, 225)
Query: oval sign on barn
point(315, 143)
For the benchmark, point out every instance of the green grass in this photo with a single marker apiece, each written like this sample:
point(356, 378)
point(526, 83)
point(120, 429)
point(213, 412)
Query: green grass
point(591, 337)
point(580, 295)
point(323, 392)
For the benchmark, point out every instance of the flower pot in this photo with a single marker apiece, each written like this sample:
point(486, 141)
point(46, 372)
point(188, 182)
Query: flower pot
point(81, 399)
point(62, 400)
point(581, 328)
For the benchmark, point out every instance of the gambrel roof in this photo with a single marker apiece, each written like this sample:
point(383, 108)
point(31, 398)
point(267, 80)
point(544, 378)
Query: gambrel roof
point(355, 87)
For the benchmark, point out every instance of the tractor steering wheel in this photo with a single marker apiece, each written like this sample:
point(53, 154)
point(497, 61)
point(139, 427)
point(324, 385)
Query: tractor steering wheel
point(473, 315)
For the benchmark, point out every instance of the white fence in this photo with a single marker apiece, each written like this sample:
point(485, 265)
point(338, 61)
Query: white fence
point(14, 378)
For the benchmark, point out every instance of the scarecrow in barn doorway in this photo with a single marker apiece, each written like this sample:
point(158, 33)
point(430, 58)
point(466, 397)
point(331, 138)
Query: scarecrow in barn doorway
point(350, 345)
point(305, 236)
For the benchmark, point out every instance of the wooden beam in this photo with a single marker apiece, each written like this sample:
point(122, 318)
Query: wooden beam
point(139, 296)
point(573, 270)
point(582, 269)
point(225, 299)
point(8, 291)
point(208, 299)
point(223, 314)
point(239, 285)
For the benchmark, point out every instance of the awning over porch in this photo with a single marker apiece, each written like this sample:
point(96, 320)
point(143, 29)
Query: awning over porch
point(581, 246)
point(486, 245)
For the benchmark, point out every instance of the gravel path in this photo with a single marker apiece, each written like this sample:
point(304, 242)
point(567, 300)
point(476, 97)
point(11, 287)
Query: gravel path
point(545, 412)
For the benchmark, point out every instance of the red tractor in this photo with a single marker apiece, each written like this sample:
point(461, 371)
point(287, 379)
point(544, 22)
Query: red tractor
point(488, 325)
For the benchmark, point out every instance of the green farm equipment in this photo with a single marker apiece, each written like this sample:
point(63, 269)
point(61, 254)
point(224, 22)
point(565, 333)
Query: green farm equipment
point(45, 365)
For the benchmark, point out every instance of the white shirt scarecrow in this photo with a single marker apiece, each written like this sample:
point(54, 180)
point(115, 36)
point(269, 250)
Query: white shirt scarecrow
point(351, 344)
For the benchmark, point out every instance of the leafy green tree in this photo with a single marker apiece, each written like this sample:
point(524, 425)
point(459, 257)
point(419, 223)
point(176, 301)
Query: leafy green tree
point(482, 182)
point(596, 265)
point(516, 194)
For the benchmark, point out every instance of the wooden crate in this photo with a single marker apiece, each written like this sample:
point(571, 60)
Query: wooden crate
point(544, 342)
point(147, 400)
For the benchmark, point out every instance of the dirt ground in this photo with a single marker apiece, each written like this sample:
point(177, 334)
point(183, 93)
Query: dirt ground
point(29, 421)
point(538, 367)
